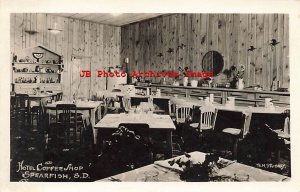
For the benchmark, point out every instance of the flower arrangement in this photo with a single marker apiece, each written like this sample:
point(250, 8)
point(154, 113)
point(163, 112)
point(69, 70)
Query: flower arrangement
point(238, 74)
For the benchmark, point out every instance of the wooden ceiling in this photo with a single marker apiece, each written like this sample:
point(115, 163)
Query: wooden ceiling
point(110, 18)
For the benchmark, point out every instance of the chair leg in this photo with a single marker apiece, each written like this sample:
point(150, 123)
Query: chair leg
point(235, 146)
point(278, 156)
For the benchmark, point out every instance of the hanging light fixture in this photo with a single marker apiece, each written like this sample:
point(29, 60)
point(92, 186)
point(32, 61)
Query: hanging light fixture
point(55, 30)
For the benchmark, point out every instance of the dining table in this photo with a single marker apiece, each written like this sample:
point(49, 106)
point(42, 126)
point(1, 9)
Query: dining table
point(164, 171)
point(35, 99)
point(93, 107)
point(156, 123)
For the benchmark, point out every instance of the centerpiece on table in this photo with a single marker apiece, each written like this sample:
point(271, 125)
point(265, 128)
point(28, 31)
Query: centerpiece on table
point(197, 171)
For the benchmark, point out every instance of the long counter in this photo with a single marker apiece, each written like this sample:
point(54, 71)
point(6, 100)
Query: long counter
point(242, 97)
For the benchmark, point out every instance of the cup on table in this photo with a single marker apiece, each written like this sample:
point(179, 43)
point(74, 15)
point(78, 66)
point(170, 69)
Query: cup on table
point(231, 101)
point(268, 102)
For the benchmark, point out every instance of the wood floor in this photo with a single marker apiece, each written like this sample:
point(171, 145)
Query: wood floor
point(81, 163)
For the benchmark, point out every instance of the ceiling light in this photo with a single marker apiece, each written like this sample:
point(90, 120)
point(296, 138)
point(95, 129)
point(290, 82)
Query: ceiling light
point(54, 30)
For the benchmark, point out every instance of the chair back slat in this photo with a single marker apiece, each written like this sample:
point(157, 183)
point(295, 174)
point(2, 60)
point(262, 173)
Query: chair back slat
point(22, 101)
point(206, 117)
point(182, 112)
point(66, 113)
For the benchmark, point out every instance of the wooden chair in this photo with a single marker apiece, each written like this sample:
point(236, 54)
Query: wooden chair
point(172, 110)
point(230, 124)
point(273, 129)
point(206, 119)
point(112, 104)
point(13, 112)
point(69, 122)
point(162, 104)
point(135, 101)
point(21, 108)
point(37, 114)
point(182, 112)
point(55, 98)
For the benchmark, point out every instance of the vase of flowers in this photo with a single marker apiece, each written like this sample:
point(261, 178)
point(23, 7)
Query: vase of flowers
point(185, 81)
point(240, 84)
point(237, 76)
point(182, 75)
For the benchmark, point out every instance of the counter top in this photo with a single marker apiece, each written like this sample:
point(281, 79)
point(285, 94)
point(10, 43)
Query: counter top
point(222, 89)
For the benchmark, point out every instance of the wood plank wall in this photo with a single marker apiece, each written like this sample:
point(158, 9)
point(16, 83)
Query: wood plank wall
point(229, 34)
point(99, 46)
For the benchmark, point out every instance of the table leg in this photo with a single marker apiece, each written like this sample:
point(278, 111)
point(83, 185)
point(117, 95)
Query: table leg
point(247, 124)
point(169, 144)
point(93, 121)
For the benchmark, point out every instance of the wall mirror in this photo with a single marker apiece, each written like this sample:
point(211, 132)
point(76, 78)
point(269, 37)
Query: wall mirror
point(213, 62)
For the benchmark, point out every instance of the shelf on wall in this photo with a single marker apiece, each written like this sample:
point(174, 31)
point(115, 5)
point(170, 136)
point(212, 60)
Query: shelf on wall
point(37, 83)
point(37, 73)
point(50, 60)
point(38, 63)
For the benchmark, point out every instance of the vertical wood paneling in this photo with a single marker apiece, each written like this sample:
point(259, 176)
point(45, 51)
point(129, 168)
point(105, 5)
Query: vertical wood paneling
point(27, 28)
point(279, 52)
point(229, 41)
point(67, 84)
point(77, 38)
point(222, 31)
point(259, 54)
point(286, 67)
point(235, 39)
point(243, 44)
point(250, 54)
point(40, 24)
point(19, 25)
point(203, 36)
point(197, 42)
point(190, 44)
point(136, 46)
point(12, 32)
point(33, 27)
point(173, 43)
point(230, 34)
point(159, 48)
point(65, 53)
